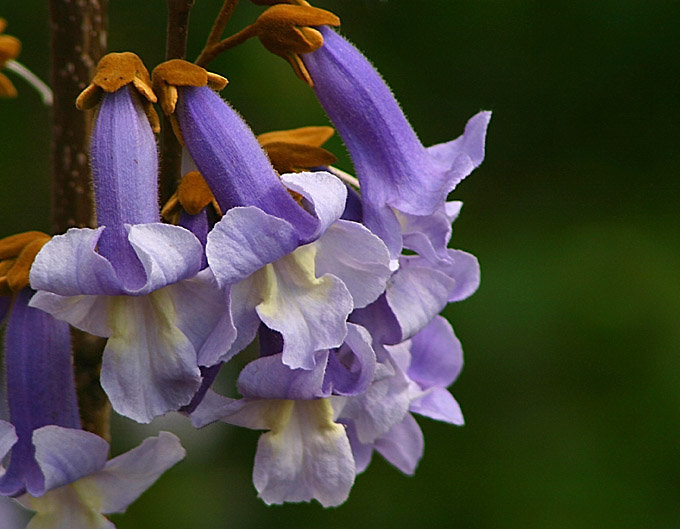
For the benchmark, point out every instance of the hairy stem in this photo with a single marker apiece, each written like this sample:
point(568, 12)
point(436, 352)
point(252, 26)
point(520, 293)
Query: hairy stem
point(176, 48)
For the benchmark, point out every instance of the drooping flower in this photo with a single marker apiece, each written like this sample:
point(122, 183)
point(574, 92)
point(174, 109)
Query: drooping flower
point(290, 262)
point(81, 490)
point(404, 185)
point(40, 389)
point(55, 467)
point(397, 174)
point(134, 280)
point(423, 367)
point(306, 453)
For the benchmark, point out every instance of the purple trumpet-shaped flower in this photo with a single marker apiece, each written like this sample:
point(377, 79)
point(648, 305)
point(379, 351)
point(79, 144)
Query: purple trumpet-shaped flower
point(55, 467)
point(232, 162)
point(292, 264)
point(133, 279)
point(403, 187)
point(40, 389)
point(84, 486)
point(424, 367)
point(397, 174)
point(305, 454)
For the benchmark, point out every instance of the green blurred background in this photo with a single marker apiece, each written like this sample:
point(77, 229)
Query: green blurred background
point(571, 388)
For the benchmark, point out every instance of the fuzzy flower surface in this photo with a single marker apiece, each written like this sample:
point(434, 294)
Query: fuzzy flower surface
point(289, 260)
point(134, 280)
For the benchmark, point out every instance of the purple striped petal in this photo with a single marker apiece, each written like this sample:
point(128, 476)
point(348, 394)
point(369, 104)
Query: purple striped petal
point(40, 387)
point(124, 163)
point(305, 456)
point(351, 367)
point(69, 265)
point(325, 197)
point(8, 438)
point(65, 455)
point(392, 165)
point(417, 294)
point(362, 453)
point(63, 508)
point(231, 160)
point(470, 143)
point(310, 312)
point(429, 235)
point(377, 410)
point(245, 240)
point(439, 404)
point(203, 316)
point(215, 407)
point(269, 378)
point(464, 269)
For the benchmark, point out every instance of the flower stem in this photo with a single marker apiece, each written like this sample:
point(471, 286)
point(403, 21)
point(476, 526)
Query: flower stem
point(32, 79)
point(176, 48)
point(221, 21)
point(211, 51)
point(77, 42)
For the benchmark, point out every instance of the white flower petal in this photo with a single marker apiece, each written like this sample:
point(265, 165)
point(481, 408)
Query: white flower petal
point(305, 456)
point(149, 366)
point(360, 259)
point(310, 312)
point(127, 476)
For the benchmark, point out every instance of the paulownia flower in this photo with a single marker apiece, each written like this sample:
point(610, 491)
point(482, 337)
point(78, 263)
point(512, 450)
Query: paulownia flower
point(397, 174)
point(135, 280)
point(404, 185)
point(422, 368)
point(305, 454)
point(84, 489)
point(56, 468)
point(290, 262)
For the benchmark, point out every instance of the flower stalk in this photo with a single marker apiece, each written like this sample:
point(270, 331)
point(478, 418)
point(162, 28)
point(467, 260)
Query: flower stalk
point(78, 41)
point(175, 48)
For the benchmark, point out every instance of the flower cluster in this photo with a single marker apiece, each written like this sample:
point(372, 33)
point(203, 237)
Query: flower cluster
point(337, 279)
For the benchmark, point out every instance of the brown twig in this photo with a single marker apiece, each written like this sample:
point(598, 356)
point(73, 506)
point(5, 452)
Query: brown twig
point(176, 48)
point(210, 52)
point(221, 21)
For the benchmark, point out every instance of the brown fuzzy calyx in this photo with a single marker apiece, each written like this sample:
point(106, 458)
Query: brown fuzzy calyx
point(167, 76)
point(285, 30)
point(17, 253)
point(115, 71)
point(192, 195)
point(299, 149)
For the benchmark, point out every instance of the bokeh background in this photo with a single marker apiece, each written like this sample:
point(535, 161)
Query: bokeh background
point(571, 388)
